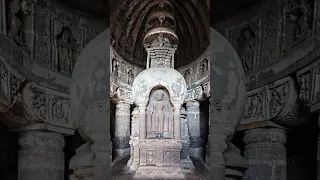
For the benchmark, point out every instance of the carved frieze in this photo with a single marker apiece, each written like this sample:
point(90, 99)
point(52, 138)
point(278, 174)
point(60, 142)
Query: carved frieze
point(60, 109)
point(197, 71)
point(47, 106)
point(10, 82)
point(256, 105)
point(122, 70)
point(276, 102)
point(195, 93)
point(308, 80)
point(4, 83)
point(39, 102)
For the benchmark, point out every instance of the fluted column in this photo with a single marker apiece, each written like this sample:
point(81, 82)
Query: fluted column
point(266, 154)
point(41, 156)
point(121, 140)
point(193, 120)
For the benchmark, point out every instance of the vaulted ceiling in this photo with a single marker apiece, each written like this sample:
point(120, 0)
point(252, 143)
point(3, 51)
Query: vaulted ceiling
point(128, 24)
point(128, 21)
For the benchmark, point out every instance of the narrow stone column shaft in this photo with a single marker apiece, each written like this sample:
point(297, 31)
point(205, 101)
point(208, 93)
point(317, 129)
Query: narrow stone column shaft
point(265, 153)
point(41, 156)
point(193, 121)
point(122, 130)
point(177, 128)
point(142, 122)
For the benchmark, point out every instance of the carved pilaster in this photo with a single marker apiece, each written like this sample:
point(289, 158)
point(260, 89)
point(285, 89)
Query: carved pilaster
point(41, 156)
point(265, 153)
point(121, 145)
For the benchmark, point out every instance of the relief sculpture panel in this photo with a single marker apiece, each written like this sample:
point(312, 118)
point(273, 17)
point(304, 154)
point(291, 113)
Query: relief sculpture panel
point(60, 35)
point(122, 70)
point(299, 22)
point(246, 38)
point(17, 16)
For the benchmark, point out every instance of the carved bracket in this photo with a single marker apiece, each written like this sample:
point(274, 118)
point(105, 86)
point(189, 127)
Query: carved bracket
point(273, 102)
point(119, 93)
point(45, 105)
point(195, 94)
point(308, 80)
point(10, 82)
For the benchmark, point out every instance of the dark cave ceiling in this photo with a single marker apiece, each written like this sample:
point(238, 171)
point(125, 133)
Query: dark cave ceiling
point(128, 24)
point(128, 21)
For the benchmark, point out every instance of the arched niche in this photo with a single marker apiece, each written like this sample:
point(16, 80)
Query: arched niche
point(160, 93)
point(169, 78)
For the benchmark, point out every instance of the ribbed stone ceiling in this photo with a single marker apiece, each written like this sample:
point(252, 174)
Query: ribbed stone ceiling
point(129, 25)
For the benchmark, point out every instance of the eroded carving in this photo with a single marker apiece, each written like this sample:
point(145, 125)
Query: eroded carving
point(60, 109)
point(18, 11)
point(247, 42)
point(39, 102)
point(66, 50)
point(278, 98)
point(4, 83)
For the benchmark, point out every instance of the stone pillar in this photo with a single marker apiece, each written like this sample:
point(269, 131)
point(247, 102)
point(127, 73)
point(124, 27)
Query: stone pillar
point(177, 128)
point(142, 122)
point(121, 145)
point(193, 120)
point(101, 150)
point(217, 145)
point(266, 154)
point(41, 156)
point(184, 135)
point(134, 133)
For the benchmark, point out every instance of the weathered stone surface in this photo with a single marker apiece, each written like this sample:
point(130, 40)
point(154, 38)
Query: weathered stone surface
point(41, 156)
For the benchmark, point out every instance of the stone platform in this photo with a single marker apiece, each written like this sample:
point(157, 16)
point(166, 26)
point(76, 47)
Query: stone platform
point(119, 171)
point(155, 172)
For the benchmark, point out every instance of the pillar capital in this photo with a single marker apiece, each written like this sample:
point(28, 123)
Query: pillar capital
point(265, 135)
point(41, 156)
point(265, 151)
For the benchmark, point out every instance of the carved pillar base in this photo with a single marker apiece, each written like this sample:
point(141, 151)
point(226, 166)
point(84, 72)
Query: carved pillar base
point(101, 149)
point(218, 146)
point(41, 156)
point(266, 154)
